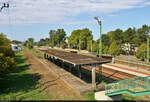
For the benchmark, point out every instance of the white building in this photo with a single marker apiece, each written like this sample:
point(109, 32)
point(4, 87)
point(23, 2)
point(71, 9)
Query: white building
point(16, 47)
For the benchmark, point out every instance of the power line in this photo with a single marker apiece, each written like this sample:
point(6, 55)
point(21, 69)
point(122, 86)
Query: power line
point(9, 21)
point(6, 5)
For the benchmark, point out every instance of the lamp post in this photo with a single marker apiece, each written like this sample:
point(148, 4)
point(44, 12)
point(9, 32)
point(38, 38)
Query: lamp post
point(79, 46)
point(91, 46)
point(53, 42)
point(100, 40)
point(148, 49)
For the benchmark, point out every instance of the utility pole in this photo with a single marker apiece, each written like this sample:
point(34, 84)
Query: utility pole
point(148, 49)
point(91, 46)
point(53, 42)
point(100, 40)
point(5, 5)
point(79, 45)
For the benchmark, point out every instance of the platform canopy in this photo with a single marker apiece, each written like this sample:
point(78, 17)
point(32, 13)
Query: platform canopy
point(75, 58)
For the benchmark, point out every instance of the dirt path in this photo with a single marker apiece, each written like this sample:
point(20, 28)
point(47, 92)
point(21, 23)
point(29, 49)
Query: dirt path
point(54, 87)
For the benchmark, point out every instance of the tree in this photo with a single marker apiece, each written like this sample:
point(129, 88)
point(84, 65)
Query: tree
point(6, 64)
point(16, 42)
point(142, 34)
point(116, 35)
point(57, 36)
point(5, 46)
point(42, 42)
point(105, 40)
point(114, 49)
point(64, 45)
point(6, 54)
point(60, 36)
point(73, 39)
point(141, 51)
point(95, 46)
point(84, 36)
point(52, 34)
point(29, 45)
point(130, 39)
point(47, 42)
point(106, 50)
point(31, 40)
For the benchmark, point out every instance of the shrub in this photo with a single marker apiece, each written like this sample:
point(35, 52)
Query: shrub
point(114, 49)
point(141, 51)
point(7, 51)
point(106, 50)
point(5, 46)
point(29, 45)
point(64, 45)
point(6, 64)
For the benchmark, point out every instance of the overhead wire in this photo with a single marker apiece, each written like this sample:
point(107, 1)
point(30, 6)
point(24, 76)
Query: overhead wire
point(9, 20)
point(6, 4)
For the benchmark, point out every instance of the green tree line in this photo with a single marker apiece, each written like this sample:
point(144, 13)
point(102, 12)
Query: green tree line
point(114, 42)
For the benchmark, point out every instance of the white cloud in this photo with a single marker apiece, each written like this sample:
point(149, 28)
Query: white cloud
point(59, 11)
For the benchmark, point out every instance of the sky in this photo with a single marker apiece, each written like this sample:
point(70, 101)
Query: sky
point(35, 18)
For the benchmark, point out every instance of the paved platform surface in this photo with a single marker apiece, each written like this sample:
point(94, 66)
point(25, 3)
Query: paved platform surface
point(74, 82)
point(102, 97)
point(126, 69)
point(134, 68)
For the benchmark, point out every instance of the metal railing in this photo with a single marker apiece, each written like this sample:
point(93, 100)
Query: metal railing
point(136, 84)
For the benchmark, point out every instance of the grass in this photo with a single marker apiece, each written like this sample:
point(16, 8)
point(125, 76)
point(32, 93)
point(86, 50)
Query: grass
point(19, 83)
point(37, 53)
point(132, 98)
point(91, 96)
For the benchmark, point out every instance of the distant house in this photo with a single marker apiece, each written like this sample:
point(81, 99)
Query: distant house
point(128, 48)
point(16, 47)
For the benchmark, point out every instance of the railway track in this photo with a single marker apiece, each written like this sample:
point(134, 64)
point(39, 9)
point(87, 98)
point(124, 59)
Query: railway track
point(78, 58)
point(110, 73)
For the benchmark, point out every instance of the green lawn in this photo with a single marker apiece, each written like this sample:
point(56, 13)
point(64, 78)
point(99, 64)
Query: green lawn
point(128, 97)
point(19, 83)
point(37, 53)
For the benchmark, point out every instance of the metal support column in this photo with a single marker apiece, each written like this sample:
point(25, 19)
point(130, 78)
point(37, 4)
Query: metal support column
point(79, 71)
point(91, 46)
point(57, 62)
point(147, 83)
point(79, 46)
point(70, 67)
point(147, 49)
point(93, 77)
point(100, 44)
point(53, 60)
point(100, 73)
point(45, 55)
point(62, 64)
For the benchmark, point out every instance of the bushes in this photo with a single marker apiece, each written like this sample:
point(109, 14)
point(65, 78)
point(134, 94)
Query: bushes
point(7, 51)
point(141, 51)
point(6, 54)
point(29, 45)
point(64, 45)
point(114, 49)
point(5, 46)
point(6, 64)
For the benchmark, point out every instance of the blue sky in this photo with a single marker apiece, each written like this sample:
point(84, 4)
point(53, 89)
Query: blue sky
point(34, 18)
